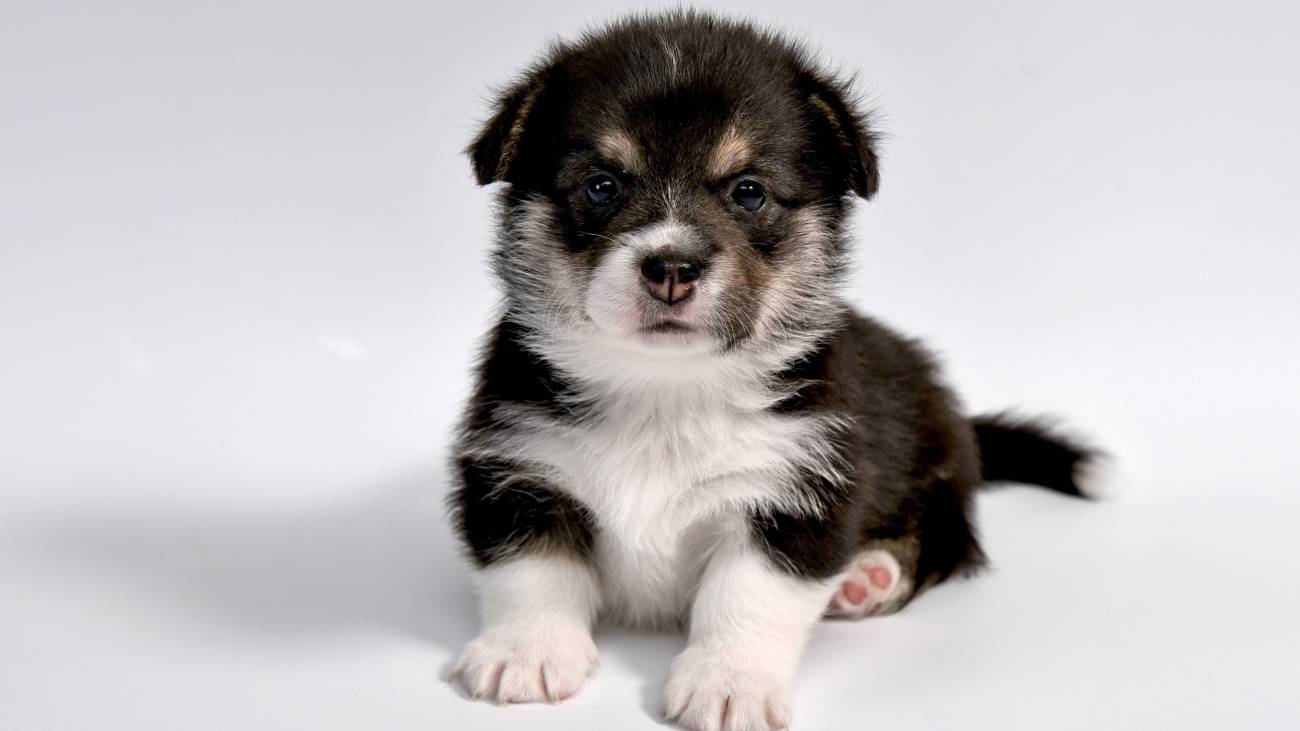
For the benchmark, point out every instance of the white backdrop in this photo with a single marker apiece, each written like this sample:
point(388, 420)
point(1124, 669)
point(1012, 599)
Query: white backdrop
point(242, 275)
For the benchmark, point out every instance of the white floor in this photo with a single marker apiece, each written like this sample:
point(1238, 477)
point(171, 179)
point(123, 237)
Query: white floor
point(344, 613)
point(242, 273)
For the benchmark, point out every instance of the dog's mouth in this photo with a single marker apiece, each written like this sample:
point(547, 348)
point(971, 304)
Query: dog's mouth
point(668, 327)
point(673, 336)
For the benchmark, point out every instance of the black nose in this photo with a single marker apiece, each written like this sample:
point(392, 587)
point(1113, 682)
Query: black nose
point(670, 279)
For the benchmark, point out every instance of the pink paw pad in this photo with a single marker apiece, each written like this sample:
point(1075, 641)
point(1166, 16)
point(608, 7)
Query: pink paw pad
point(855, 593)
point(880, 576)
point(873, 585)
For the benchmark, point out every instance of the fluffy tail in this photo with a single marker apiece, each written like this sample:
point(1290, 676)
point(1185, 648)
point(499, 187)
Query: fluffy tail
point(1015, 449)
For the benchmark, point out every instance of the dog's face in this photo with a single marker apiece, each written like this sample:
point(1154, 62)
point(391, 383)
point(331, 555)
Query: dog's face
point(675, 185)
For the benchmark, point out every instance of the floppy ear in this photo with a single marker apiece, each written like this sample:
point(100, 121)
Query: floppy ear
point(845, 140)
point(496, 147)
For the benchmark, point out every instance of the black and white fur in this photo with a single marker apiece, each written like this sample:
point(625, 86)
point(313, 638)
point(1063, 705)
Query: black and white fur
point(741, 460)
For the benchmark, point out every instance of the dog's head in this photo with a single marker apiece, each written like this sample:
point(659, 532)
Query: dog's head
point(675, 184)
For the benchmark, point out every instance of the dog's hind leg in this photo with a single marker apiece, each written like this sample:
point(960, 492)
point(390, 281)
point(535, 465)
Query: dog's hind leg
point(880, 580)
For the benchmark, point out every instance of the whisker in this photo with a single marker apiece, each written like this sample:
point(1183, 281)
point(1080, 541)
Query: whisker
point(610, 239)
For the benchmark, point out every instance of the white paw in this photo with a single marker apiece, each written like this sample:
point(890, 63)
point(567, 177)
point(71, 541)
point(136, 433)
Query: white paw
point(543, 664)
point(873, 585)
point(708, 693)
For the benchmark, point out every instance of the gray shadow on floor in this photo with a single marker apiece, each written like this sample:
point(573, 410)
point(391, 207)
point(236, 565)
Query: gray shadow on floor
point(649, 655)
point(385, 562)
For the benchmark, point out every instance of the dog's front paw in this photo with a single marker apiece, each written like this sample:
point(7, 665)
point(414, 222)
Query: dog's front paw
point(526, 665)
point(712, 692)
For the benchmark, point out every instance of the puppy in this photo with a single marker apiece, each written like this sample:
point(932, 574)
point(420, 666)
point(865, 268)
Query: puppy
point(677, 419)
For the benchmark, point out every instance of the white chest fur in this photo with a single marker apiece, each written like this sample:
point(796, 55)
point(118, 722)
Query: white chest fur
point(663, 478)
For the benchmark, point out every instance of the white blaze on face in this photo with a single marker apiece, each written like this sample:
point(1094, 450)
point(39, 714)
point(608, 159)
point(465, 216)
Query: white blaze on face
point(617, 300)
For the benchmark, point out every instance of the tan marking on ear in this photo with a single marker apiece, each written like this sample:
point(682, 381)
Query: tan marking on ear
point(731, 155)
point(817, 101)
point(622, 149)
point(824, 107)
point(516, 131)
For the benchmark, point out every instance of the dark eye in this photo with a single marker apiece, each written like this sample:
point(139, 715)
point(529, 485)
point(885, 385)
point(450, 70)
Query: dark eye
point(749, 195)
point(602, 189)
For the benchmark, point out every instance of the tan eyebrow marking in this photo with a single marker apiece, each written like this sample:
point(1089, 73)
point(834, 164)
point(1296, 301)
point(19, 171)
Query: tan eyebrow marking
point(622, 149)
point(731, 155)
